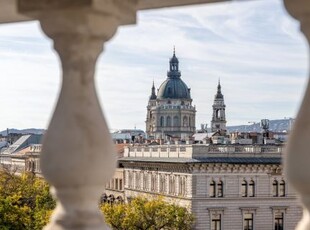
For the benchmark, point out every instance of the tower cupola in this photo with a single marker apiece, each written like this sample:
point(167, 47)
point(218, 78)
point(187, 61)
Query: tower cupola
point(174, 67)
point(218, 122)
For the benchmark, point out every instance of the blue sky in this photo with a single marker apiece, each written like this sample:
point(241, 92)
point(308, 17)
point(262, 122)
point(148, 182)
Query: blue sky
point(254, 47)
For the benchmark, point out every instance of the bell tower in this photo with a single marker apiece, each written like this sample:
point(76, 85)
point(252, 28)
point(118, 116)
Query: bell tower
point(218, 122)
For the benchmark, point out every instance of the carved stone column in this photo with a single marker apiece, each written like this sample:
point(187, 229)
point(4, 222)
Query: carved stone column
point(78, 156)
point(297, 159)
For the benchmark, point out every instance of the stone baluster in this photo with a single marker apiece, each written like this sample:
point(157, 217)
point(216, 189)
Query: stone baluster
point(78, 156)
point(297, 153)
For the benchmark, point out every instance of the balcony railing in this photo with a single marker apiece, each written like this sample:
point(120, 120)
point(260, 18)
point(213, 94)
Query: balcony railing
point(199, 151)
point(77, 156)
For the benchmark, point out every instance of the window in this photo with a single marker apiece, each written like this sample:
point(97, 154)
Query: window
point(185, 121)
point(244, 188)
point(248, 221)
point(216, 222)
point(116, 184)
point(220, 189)
point(251, 189)
point(168, 121)
point(161, 121)
point(275, 188)
point(278, 221)
point(212, 189)
point(216, 189)
point(282, 188)
point(278, 189)
point(217, 113)
point(175, 121)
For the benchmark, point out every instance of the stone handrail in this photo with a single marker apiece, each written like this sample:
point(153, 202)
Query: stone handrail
point(75, 160)
point(78, 155)
point(193, 151)
point(297, 157)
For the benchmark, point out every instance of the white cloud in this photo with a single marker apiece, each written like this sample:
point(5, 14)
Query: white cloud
point(254, 47)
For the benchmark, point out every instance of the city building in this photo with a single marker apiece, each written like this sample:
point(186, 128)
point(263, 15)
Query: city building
point(170, 113)
point(229, 181)
point(225, 186)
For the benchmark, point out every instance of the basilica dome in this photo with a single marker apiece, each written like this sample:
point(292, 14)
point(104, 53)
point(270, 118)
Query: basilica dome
point(173, 87)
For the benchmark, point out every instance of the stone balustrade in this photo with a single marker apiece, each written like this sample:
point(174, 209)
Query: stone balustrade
point(77, 157)
point(198, 151)
point(297, 157)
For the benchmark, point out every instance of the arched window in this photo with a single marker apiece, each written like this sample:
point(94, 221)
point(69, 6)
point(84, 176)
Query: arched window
point(168, 121)
point(251, 188)
point(162, 121)
point(220, 189)
point(175, 121)
point(185, 121)
point(244, 188)
point(217, 113)
point(282, 188)
point(212, 189)
point(189, 121)
point(275, 188)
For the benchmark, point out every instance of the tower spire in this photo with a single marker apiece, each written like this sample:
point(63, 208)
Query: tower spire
point(219, 87)
point(153, 94)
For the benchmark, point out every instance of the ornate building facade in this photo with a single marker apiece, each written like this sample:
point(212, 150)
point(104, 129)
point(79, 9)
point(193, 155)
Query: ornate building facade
point(227, 187)
point(170, 112)
point(218, 122)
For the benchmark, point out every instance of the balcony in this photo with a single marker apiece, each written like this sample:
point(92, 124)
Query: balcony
point(77, 156)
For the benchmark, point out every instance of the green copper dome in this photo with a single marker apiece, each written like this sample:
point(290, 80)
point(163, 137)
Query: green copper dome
point(173, 87)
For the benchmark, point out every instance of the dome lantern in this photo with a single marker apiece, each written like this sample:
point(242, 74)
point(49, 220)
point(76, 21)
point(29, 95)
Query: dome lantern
point(174, 67)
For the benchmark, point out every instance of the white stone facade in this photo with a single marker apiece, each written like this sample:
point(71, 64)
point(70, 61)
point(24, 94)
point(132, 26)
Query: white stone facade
point(224, 188)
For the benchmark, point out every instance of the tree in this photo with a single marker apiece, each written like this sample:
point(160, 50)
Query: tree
point(144, 214)
point(25, 202)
